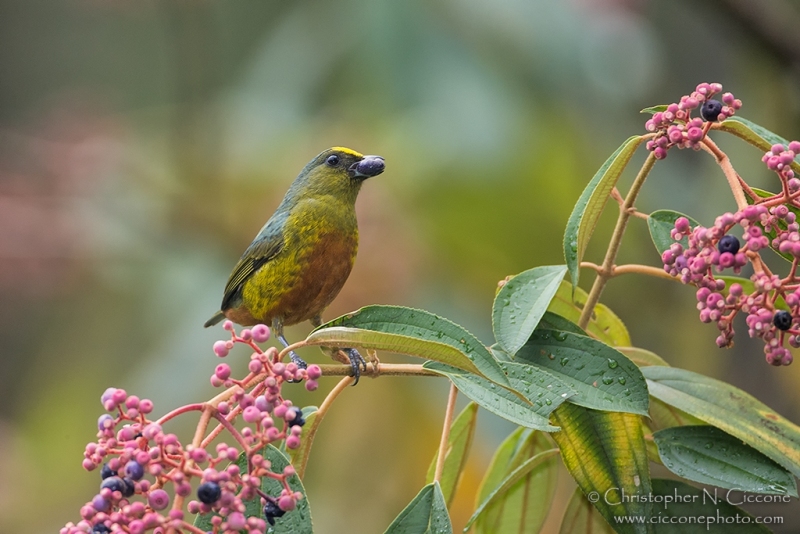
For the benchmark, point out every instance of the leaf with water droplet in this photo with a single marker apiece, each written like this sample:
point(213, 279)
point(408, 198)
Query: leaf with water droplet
point(531, 292)
point(605, 450)
point(588, 359)
point(498, 400)
point(730, 409)
point(701, 453)
point(604, 325)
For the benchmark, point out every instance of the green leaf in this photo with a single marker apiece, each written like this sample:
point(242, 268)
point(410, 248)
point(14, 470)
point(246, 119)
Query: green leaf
point(603, 325)
point(661, 223)
point(682, 514)
point(551, 321)
point(520, 499)
point(544, 390)
point(409, 331)
point(494, 398)
point(520, 304)
point(730, 409)
point(708, 455)
point(503, 457)
point(298, 521)
point(605, 453)
point(587, 210)
point(652, 110)
point(642, 357)
point(603, 378)
point(756, 135)
point(527, 516)
point(458, 445)
point(663, 415)
point(425, 514)
point(299, 456)
point(581, 517)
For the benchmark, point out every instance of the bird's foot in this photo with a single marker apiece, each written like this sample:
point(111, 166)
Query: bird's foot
point(299, 362)
point(372, 357)
point(357, 363)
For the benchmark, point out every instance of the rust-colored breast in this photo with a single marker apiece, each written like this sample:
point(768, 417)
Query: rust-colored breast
point(324, 271)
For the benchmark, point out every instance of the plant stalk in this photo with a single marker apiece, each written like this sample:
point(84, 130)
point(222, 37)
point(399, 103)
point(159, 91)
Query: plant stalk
point(607, 268)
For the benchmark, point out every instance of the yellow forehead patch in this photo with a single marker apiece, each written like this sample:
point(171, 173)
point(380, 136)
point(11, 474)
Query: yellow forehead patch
point(347, 151)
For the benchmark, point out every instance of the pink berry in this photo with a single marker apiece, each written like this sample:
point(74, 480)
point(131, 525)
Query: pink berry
point(260, 333)
point(223, 371)
point(287, 503)
point(158, 499)
point(221, 348)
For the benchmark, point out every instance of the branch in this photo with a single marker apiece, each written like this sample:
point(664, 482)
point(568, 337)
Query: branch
point(448, 422)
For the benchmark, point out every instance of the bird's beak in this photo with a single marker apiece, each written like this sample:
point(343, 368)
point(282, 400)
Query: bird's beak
point(367, 167)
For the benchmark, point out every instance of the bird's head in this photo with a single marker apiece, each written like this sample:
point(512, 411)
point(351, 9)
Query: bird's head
point(338, 172)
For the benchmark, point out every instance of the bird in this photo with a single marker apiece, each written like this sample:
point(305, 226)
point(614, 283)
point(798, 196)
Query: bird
point(302, 257)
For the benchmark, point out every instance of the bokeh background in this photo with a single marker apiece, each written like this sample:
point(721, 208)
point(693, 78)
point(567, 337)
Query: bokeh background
point(143, 144)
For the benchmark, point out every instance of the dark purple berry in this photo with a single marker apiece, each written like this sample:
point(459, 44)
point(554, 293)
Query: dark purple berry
point(100, 528)
point(710, 110)
point(298, 420)
point(272, 511)
point(209, 492)
point(782, 320)
point(106, 472)
point(728, 243)
point(130, 487)
point(113, 483)
point(134, 470)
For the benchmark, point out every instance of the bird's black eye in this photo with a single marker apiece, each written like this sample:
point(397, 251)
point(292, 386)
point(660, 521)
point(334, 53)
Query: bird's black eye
point(333, 160)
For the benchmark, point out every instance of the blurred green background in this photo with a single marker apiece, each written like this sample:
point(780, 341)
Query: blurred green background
point(143, 144)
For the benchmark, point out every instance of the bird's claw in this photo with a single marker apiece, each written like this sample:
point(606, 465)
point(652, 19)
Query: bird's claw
point(299, 362)
point(357, 362)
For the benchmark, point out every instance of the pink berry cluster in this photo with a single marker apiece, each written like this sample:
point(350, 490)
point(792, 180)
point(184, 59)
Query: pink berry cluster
point(147, 473)
point(715, 249)
point(676, 127)
point(779, 158)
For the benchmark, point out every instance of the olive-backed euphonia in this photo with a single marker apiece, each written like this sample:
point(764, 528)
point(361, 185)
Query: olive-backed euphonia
point(301, 258)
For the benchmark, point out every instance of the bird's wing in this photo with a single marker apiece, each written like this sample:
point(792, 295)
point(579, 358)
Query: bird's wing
point(266, 246)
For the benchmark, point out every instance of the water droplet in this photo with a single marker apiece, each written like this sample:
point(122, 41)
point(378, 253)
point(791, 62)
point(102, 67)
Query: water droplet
point(612, 363)
point(548, 402)
point(608, 380)
point(551, 356)
point(580, 366)
point(560, 336)
point(564, 395)
point(709, 445)
point(627, 392)
point(621, 380)
point(564, 361)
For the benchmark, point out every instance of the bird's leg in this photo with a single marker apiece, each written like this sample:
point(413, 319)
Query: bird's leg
point(345, 356)
point(277, 327)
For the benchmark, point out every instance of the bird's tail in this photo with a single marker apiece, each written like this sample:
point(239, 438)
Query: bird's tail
point(217, 317)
